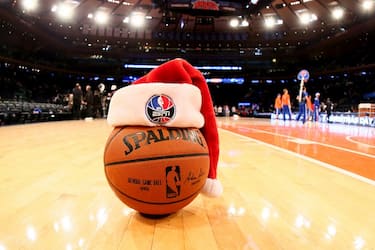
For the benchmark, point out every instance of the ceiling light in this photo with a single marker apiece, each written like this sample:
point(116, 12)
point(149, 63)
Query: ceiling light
point(306, 17)
point(367, 5)
point(295, 3)
point(101, 17)
point(234, 22)
point(30, 5)
point(54, 8)
point(244, 23)
point(269, 22)
point(64, 11)
point(182, 24)
point(126, 20)
point(272, 20)
point(337, 13)
point(137, 19)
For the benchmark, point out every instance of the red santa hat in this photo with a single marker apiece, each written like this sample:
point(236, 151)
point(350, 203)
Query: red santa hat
point(177, 82)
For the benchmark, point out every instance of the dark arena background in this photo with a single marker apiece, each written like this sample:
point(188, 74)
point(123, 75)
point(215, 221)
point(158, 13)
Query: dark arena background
point(304, 183)
point(47, 48)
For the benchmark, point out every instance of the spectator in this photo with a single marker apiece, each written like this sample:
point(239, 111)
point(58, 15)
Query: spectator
point(89, 102)
point(77, 102)
point(329, 108)
point(97, 108)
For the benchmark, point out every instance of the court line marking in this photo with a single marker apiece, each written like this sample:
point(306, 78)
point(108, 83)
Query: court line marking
point(323, 164)
point(349, 138)
point(320, 143)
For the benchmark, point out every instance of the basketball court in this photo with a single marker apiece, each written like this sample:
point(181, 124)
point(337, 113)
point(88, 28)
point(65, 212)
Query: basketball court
point(287, 185)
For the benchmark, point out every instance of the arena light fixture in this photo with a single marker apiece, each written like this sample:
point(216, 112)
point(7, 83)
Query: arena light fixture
point(137, 19)
point(126, 20)
point(234, 22)
point(64, 11)
point(337, 13)
point(269, 22)
point(29, 5)
point(244, 23)
point(368, 5)
point(182, 24)
point(306, 17)
point(101, 17)
point(272, 20)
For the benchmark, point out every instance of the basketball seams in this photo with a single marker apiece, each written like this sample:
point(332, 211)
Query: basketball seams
point(155, 158)
point(106, 148)
point(111, 139)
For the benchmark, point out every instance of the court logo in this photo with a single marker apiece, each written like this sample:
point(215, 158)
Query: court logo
point(160, 109)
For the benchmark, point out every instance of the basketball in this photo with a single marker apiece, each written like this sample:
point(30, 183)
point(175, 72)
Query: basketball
point(156, 170)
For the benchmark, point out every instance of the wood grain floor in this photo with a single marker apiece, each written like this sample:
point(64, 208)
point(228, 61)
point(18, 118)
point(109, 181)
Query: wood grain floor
point(286, 186)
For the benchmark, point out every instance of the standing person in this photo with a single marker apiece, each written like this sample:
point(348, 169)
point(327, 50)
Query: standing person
point(103, 100)
point(302, 105)
point(89, 102)
point(77, 102)
point(233, 110)
point(309, 108)
point(220, 111)
point(316, 107)
point(329, 107)
point(97, 106)
point(278, 105)
point(285, 101)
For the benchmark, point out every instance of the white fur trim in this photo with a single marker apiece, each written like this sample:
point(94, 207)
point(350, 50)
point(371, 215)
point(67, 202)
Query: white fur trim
point(128, 105)
point(212, 188)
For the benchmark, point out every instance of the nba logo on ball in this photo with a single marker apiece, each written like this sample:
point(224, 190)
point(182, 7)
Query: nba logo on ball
point(173, 178)
point(160, 109)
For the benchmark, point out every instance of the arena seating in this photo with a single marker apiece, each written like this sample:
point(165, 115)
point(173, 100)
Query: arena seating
point(19, 112)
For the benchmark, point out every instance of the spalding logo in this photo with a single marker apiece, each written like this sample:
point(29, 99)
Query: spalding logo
point(160, 109)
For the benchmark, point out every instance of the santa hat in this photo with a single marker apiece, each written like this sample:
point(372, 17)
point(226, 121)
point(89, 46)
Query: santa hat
point(182, 86)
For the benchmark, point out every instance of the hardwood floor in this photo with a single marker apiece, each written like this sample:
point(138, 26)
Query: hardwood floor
point(286, 186)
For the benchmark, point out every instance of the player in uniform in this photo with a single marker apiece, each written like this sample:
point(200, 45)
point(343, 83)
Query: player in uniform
point(302, 105)
point(285, 101)
point(316, 107)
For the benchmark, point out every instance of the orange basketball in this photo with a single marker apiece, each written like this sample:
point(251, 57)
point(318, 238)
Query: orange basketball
point(156, 170)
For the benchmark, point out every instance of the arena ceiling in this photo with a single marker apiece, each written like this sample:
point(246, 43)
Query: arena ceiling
point(198, 30)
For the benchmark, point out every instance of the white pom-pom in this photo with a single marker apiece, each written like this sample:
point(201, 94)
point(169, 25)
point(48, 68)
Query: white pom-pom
point(212, 188)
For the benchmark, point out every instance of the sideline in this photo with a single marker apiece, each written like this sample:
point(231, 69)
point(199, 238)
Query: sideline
point(312, 142)
point(323, 164)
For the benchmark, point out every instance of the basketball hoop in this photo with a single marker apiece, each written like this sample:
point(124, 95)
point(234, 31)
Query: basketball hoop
point(303, 76)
